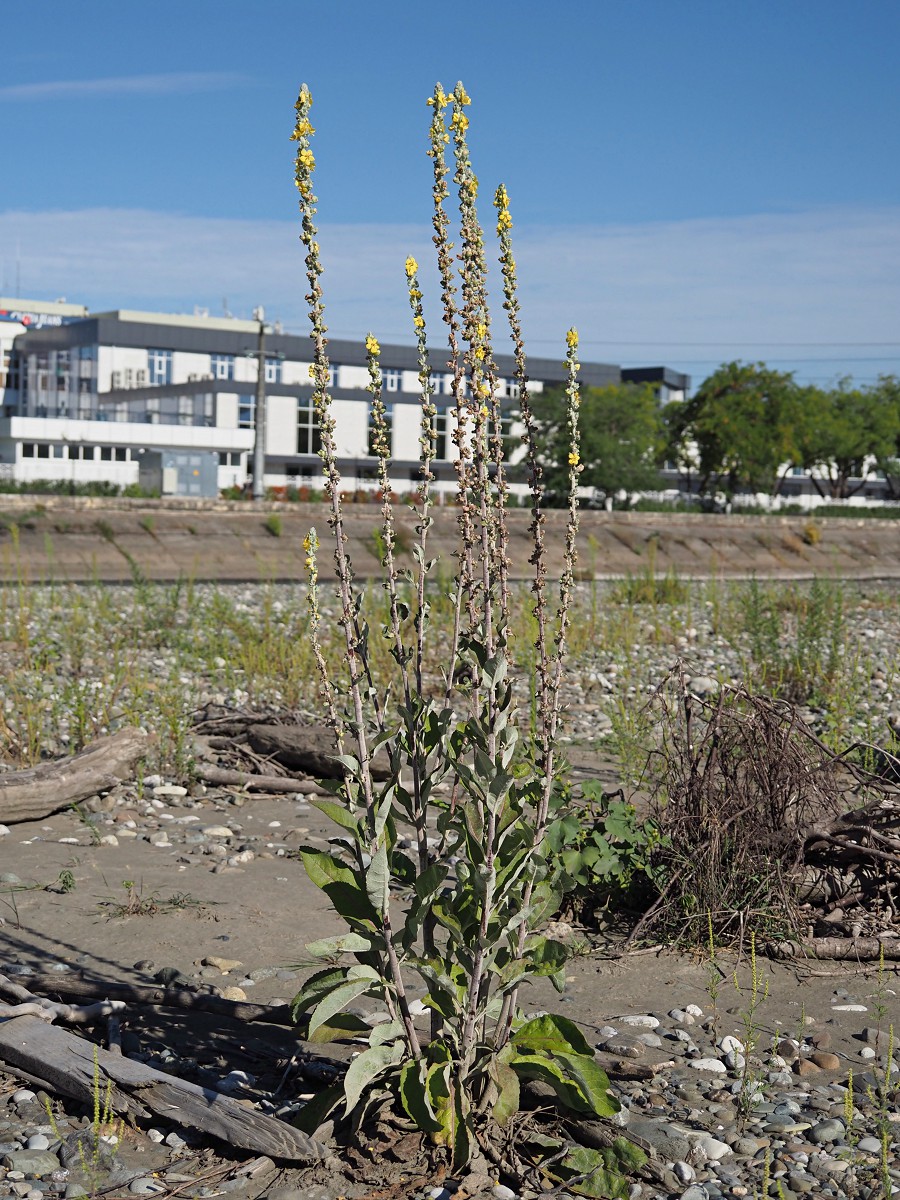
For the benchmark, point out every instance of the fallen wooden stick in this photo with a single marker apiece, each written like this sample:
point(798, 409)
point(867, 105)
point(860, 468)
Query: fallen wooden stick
point(259, 783)
point(69, 1064)
point(39, 791)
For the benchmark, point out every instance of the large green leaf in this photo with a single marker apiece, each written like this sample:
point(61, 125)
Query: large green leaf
point(547, 1070)
point(337, 812)
point(343, 943)
point(369, 1066)
point(592, 1082)
point(378, 876)
point(316, 987)
point(319, 1109)
point(414, 1095)
point(324, 869)
point(337, 1000)
point(551, 1034)
point(340, 1027)
point(507, 1081)
point(602, 1169)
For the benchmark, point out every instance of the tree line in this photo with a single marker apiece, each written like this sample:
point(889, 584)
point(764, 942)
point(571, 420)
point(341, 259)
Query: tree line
point(746, 428)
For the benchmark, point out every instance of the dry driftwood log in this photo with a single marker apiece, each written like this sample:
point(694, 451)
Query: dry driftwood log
point(222, 777)
point(69, 988)
point(39, 791)
point(65, 1064)
point(862, 949)
point(307, 748)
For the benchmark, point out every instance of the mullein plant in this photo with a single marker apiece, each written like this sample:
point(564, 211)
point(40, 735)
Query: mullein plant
point(444, 877)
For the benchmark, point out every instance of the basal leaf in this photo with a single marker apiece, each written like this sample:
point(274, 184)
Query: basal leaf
point(343, 1026)
point(414, 1097)
point(551, 1034)
point(548, 1070)
point(319, 1109)
point(592, 1082)
point(336, 1001)
point(368, 1067)
point(507, 1103)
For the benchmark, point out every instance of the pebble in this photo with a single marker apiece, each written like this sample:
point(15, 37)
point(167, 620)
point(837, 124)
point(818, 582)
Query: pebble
point(709, 1064)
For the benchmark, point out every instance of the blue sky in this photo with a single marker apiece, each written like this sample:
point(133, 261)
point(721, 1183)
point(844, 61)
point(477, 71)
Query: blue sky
point(691, 180)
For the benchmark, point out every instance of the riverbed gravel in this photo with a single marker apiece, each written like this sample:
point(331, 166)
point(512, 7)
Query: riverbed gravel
point(733, 1107)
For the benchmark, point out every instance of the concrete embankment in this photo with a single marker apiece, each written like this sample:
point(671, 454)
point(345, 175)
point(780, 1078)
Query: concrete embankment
point(43, 538)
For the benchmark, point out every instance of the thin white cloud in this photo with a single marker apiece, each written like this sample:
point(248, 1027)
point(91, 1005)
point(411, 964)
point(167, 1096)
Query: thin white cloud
point(798, 290)
point(135, 85)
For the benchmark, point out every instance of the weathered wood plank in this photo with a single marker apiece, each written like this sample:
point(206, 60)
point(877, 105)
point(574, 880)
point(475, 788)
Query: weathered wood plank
point(67, 1062)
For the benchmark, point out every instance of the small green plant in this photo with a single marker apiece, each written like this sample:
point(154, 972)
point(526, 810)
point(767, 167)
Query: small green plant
point(97, 1144)
point(136, 904)
point(749, 1076)
point(273, 525)
point(148, 524)
point(605, 849)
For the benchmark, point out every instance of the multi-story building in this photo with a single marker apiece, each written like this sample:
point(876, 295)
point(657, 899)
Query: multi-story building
point(83, 395)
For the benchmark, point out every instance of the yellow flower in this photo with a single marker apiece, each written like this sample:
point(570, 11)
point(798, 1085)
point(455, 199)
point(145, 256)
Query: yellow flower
point(483, 410)
point(307, 159)
point(461, 95)
point(574, 458)
point(572, 339)
point(312, 370)
point(372, 344)
point(459, 121)
point(504, 220)
point(411, 267)
point(419, 322)
point(303, 129)
point(481, 329)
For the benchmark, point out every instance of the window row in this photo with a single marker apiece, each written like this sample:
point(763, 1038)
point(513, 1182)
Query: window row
point(76, 451)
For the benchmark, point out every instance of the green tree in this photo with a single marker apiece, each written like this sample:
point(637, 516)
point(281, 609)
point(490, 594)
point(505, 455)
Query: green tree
point(739, 429)
point(848, 434)
point(621, 438)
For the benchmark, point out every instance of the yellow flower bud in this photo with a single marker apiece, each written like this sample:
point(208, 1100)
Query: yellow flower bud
point(372, 344)
point(411, 267)
point(572, 339)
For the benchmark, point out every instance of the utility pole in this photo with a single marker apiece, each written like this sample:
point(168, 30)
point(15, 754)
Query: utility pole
point(259, 419)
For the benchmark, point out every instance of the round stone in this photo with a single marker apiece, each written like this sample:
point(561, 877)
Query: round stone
point(146, 1185)
point(709, 1064)
point(831, 1130)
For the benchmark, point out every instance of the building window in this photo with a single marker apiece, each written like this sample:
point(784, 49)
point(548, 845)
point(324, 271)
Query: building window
point(391, 380)
point(28, 449)
point(246, 412)
point(309, 437)
point(441, 383)
point(273, 370)
point(444, 425)
point(509, 389)
point(221, 366)
point(229, 458)
point(159, 366)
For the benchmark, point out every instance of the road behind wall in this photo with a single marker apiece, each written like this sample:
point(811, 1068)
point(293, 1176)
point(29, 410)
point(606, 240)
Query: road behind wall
point(44, 538)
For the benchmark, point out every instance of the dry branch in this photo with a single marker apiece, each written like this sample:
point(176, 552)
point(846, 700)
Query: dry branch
point(67, 1064)
point(39, 791)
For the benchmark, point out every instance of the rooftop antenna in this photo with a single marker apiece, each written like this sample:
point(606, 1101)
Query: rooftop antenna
point(225, 308)
point(18, 269)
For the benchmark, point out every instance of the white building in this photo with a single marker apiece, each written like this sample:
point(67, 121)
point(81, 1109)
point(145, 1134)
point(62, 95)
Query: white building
point(83, 394)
